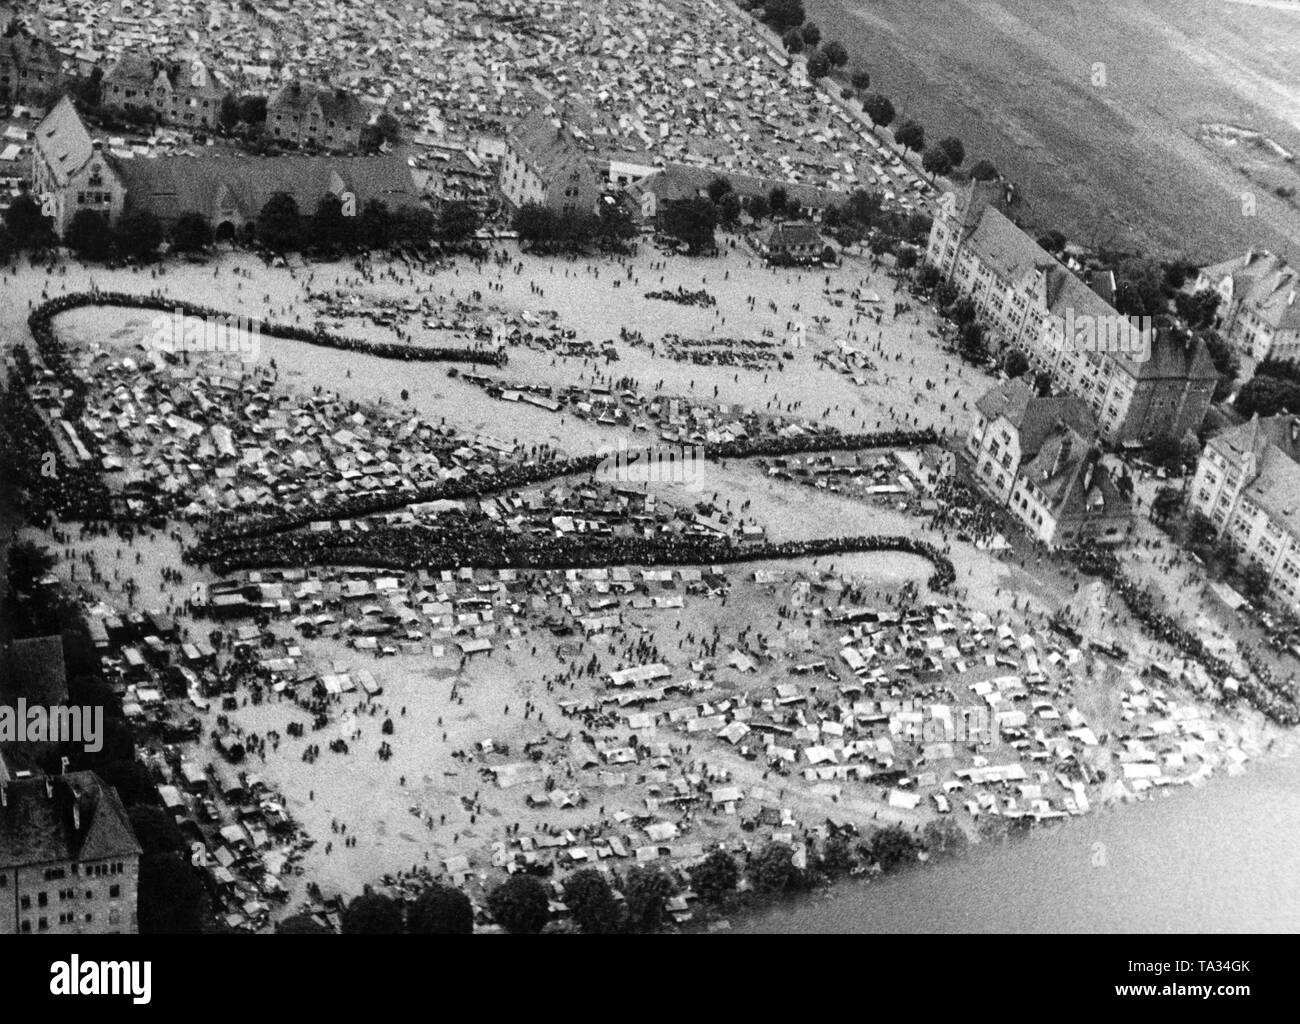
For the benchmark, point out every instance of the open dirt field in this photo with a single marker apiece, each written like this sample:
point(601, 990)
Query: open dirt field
point(1098, 110)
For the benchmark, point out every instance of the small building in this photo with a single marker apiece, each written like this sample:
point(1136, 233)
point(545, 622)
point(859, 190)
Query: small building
point(544, 163)
point(1258, 311)
point(310, 115)
point(70, 171)
point(790, 242)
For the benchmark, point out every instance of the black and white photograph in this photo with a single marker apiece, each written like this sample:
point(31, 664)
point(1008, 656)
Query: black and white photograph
point(707, 468)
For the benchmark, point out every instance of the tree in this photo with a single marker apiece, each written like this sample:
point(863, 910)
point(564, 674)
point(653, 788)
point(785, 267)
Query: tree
point(646, 890)
point(614, 221)
point(1201, 530)
point(861, 79)
point(191, 233)
point(1254, 583)
point(457, 220)
point(89, 235)
point(441, 910)
point(793, 41)
point(252, 109)
point(1267, 396)
point(819, 65)
point(811, 34)
point(328, 229)
point(936, 161)
point(1226, 361)
point(906, 259)
point(374, 226)
point(878, 107)
point(1197, 308)
point(836, 54)
point(777, 200)
point(228, 112)
point(1052, 241)
point(155, 830)
point(836, 855)
point(783, 14)
point(718, 188)
point(301, 924)
point(372, 913)
point(928, 279)
point(691, 221)
point(138, 235)
point(758, 208)
point(772, 870)
point(954, 148)
point(170, 898)
point(591, 902)
point(1139, 287)
point(278, 226)
point(984, 170)
point(910, 135)
point(388, 128)
point(715, 877)
point(944, 838)
point(520, 905)
point(28, 227)
point(1016, 363)
point(729, 209)
point(1165, 504)
point(891, 847)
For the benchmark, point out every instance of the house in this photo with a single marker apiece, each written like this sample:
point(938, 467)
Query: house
point(1258, 311)
point(790, 243)
point(69, 860)
point(185, 96)
point(544, 163)
point(1247, 482)
point(1140, 383)
point(1038, 457)
point(310, 115)
point(70, 171)
point(30, 68)
point(684, 181)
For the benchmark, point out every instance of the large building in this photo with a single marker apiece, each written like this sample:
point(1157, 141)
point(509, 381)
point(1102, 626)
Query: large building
point(1039, 458)
point(545, 163)
point(70, 171)
point(30, 68)
point(69, 860)
point(1258, 308)
point(316, 117)
point(1139, 383)
point(181, 95)
point(1248, 483)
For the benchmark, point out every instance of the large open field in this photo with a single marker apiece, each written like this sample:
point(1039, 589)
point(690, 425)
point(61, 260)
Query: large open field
point(1140, 153)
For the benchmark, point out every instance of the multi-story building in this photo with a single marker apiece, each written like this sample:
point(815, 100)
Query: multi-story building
point(69, 860)
point(310, 115)
point(544, 163)
point(70, 171)
point(1039, 458)
point(1258, 308)
point(184, 95)
point(1248, 483)
point(1140, 383)
point(30, 68)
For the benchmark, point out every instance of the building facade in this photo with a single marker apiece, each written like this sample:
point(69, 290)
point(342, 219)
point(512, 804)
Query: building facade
point(1247, 483)
point(315, 117)
point(1258, 308)
point(69, 860)
point(1138, 382)
point(182, 95)
point(1039, 458)
point(70, 171)
point(30, 68)
point(544, 163)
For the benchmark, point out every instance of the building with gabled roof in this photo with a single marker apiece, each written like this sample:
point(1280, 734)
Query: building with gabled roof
point(1039, 457)
point(545, 163)
point(790, 242)
point(1259, 311)
point(1139, 383)
point(316, 116)
point(70, 171)
point(183, 95)
point(69, 859)
point(30, 68)
point(1247, 483)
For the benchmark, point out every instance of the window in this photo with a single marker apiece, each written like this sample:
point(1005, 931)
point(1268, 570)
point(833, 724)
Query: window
point(42, 899)
point(114, 891)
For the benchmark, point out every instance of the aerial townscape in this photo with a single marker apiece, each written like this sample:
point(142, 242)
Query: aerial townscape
point(650, 465)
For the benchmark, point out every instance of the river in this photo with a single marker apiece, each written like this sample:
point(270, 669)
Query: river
point(1225, 858)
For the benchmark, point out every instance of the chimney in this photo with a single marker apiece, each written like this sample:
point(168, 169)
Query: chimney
point(63, 765)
